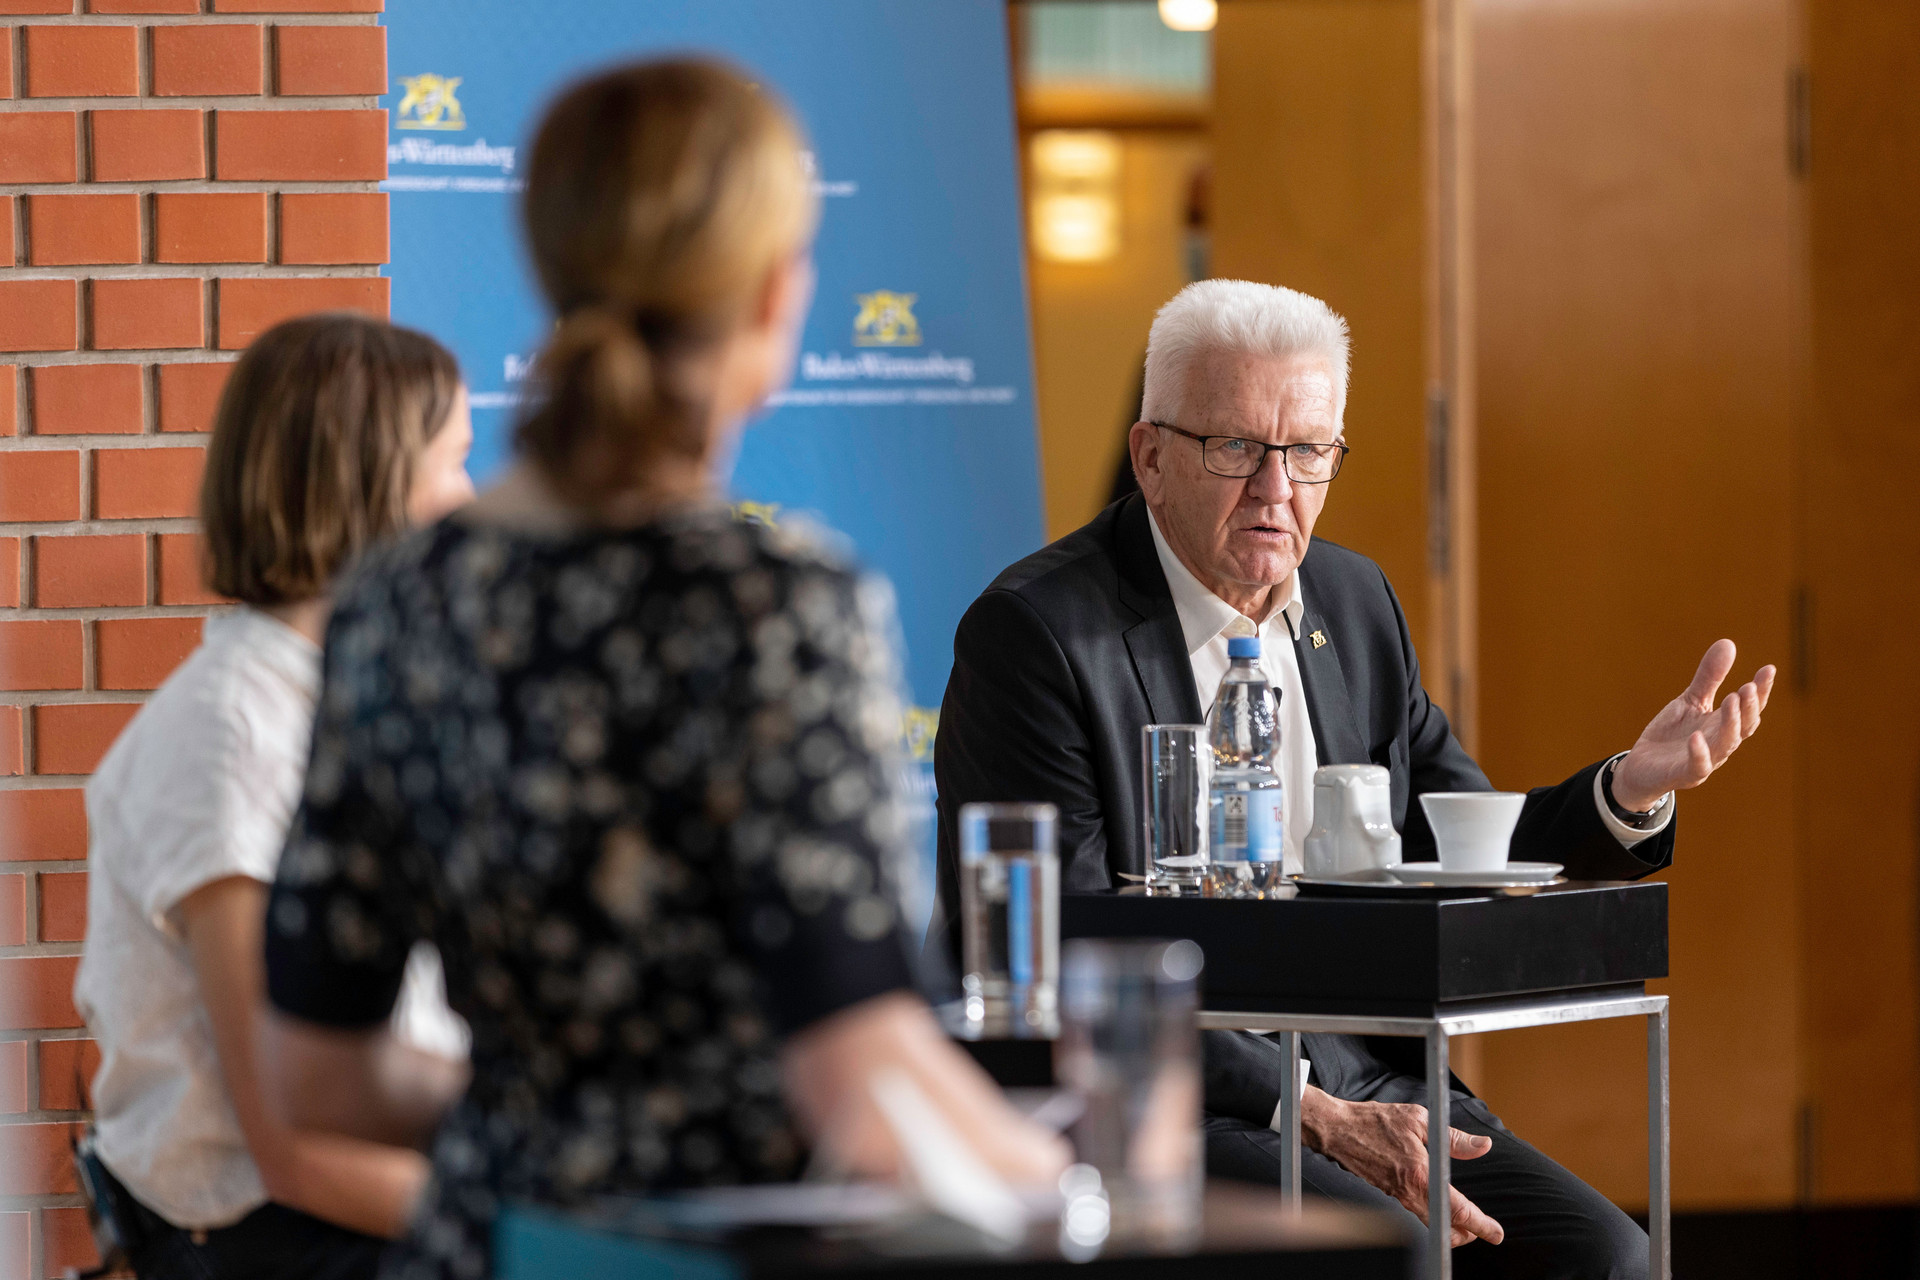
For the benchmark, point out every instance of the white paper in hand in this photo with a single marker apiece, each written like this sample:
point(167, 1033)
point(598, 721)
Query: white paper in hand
point(955, 1180)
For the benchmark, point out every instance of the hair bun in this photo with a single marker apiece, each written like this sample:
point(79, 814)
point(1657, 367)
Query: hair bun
point(596, 368)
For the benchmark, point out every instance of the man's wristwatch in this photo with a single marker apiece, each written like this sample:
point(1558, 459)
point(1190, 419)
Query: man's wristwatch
point(1631, 817)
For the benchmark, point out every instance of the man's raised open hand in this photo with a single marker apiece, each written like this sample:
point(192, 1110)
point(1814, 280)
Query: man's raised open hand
point(1690, 738)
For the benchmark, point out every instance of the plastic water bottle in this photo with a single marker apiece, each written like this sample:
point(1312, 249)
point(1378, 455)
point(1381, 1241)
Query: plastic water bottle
point(1246, 803)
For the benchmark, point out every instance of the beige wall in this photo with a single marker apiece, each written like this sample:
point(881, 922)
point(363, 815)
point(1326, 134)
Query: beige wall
point(1090, 324)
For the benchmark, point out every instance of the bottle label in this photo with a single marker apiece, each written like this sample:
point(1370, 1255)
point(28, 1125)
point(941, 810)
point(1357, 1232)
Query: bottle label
point(1232, 836)
point(1248, 826)
point(1265, 841)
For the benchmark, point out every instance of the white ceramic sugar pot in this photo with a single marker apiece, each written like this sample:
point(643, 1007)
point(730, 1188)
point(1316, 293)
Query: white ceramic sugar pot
point(1352, 821)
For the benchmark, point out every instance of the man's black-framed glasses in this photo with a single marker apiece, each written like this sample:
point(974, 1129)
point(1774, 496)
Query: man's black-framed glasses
point(1237, 457)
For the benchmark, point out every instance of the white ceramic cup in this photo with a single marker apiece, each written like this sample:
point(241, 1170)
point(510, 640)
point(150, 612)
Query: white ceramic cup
point(1473, 828)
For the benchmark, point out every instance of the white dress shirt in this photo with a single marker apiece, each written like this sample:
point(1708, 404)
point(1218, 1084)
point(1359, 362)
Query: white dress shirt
point(1208, 622)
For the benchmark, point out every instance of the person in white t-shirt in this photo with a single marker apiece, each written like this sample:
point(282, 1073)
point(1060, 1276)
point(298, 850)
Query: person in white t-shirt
point(334, 431)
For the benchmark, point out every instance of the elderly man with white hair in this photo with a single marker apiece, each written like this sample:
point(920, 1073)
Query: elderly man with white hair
point(1125, 623)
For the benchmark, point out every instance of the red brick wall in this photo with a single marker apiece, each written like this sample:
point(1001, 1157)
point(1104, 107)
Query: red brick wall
point(175, 176)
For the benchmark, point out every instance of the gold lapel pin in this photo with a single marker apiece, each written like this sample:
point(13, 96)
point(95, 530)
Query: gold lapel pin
point(1319, 638)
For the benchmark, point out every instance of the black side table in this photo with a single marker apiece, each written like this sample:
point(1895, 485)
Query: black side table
point(1426, 967)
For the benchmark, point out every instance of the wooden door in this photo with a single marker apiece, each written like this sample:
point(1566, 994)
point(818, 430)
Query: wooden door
point(1639, 340)
point(1858, 463)
point(1318, 185)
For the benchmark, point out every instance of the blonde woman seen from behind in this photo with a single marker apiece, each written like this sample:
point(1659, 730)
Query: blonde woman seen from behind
point(639, 783)
point(333, 432)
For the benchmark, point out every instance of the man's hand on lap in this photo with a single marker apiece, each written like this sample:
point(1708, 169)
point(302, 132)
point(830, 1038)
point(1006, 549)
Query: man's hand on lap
point(1689, 739)
point(1385, 1145)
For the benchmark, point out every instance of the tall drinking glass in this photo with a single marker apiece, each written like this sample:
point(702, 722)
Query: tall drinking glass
point(1128, 1048)
point(1010, 919)
point(1175, 760)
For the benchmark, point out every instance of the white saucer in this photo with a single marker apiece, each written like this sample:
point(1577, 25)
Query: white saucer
point(1514, 873)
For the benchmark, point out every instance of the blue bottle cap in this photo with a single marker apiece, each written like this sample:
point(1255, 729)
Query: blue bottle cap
point(1243, 647)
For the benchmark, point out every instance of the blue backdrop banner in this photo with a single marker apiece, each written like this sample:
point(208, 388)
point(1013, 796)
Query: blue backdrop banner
point(909, 425)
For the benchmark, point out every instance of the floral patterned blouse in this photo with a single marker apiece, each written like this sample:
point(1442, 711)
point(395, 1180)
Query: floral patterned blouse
point(639, 787)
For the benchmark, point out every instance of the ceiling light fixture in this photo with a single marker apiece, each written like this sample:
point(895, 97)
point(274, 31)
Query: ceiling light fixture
point(1190, 15)
point(1075, 204)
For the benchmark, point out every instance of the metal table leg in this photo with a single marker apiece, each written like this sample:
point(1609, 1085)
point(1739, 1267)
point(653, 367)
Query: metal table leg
point(1659, 1194)
point(1439, 1149)
point(1522, 1011)
point(1290, 1120)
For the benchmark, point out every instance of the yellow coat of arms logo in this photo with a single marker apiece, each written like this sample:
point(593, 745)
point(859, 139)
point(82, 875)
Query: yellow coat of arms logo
point(886, 320)
point(429, 103)
point(920, 725)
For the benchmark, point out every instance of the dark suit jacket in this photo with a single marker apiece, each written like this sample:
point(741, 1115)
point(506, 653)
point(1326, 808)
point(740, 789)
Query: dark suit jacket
point(1062, 660)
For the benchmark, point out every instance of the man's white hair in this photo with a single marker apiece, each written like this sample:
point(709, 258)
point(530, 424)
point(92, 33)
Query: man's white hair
point(1238, 316)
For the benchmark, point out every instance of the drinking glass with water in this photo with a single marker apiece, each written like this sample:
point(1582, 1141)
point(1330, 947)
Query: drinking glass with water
point(1010, 919)
point(1174, 764)
point(1130, 1052)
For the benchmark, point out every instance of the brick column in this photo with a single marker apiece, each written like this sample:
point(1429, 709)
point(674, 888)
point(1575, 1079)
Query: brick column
point(175, 176)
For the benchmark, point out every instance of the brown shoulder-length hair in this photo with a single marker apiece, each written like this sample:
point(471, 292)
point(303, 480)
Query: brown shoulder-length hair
point(313, 452)
point(659, 197)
